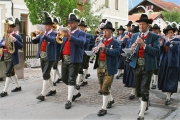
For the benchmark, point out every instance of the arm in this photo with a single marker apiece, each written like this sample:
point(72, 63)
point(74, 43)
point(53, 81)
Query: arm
point(80, 41)
point(113, 52)
point(172, 46)
point(1, 45)
point(50, 39)
point(36, 40)
point(155, 48)
point(18, 42)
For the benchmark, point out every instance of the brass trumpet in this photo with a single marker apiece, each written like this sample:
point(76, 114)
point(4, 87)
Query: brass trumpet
point(59, 37)
point(34, 34)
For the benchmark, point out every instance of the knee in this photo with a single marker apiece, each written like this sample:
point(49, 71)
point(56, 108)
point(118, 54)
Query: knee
point(145, 94)
point(105, 90)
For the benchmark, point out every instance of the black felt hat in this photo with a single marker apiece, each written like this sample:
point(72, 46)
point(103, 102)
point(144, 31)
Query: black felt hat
point(135, 29)
point(121, 28)
point(155, 26)
point(108, 25)
point(129, 23)
point(73, 18)
point(144, 18)
point(48, 21)
point(169, 27)
point(82, 23)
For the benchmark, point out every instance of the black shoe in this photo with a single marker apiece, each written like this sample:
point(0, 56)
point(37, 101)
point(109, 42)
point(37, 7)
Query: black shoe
point(87, 75)
point(109, 105)
point(131, 97)
point(17, 89)
point(68, 105)
point(148, 104)
point(54, 83)
point(117, 77)
point(167, 102)
point(3, 94)
point(84, 83)
point(153, 86)
point(76, 96)
point(140, 118)
point(51, 93)
point(58, 80)
point(40, 97)
point(77, 87)
point(100, 92)
point(102, 112)
point(121, 75)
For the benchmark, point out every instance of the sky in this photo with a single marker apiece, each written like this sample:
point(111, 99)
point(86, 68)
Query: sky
point(133, 3)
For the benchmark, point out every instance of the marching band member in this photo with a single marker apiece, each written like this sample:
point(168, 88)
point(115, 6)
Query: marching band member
point(55, 64)
point(71, 52)
point(121, 38)
point(128, 77)
point(11, 58)
point(47, 55)
point(108, 51)
point(144, 63)
point(156, 29)
point(81, 75)
point(169, 64)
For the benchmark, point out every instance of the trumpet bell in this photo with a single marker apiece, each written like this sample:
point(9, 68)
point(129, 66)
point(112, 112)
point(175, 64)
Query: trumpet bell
point(59, 37)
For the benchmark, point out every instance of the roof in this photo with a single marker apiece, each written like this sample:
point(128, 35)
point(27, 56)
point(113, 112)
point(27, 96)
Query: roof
point(135, 17)
point(159, 3)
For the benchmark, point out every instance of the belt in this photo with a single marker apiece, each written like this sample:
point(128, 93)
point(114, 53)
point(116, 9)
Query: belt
point(141, 61)
point(102, 65)
point(66, 58)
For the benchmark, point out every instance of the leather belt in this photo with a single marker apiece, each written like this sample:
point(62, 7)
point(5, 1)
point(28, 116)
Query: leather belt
point(66, 58)
point(141, 61)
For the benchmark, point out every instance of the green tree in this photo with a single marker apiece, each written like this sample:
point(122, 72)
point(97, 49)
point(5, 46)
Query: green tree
point(171, 16)
point(60, 8)
point(92, 20)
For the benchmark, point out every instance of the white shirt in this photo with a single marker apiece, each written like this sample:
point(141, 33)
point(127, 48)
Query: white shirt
point(145, 33)
point(74, 31)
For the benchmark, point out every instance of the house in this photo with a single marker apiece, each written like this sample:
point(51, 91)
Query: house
point(155, 5)
point(115, 10)
point(18, 9)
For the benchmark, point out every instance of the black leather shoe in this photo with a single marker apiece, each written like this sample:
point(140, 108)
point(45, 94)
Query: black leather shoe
point(102, 112)
point(51, 93)
point(17, 89)
point(40, 97)
point(76, 96)
point(54, 83)
point(100, 92)
point(77, 87)
point(153, 86)
point(109, 105)
point(131, 97)
point(87, 75)
point(167, 102)
point(68, 105)
point(84, 83)
point(121, 75)
point(140, 118)
point(3, 94)
point(58, 80)
point(117, 77)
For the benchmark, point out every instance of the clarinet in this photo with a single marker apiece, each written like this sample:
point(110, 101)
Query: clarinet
point(133, 51)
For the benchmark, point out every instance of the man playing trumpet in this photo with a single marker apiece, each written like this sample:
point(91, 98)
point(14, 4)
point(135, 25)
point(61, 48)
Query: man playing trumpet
point(47, 54)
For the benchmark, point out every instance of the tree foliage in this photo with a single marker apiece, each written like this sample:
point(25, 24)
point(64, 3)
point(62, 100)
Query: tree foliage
point(171, 16)
point(92, 20)
point(60, 8)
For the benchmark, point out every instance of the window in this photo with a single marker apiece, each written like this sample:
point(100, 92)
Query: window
point(107, 3)
point(116, 25)
point(116, 4)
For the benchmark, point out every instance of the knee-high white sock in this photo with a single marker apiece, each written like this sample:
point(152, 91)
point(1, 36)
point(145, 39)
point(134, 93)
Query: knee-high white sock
point(83, 78)
point(54, 75)
point(51, 84)
point(122, 70)
point(7, 84)
point(119, 72)
point(105, 101)
point(133, 91)
point(45, 83)
point(168, 95)
point(79, 79)
point(70, 92)
point(75, 92)
point(14, 78)
point(155, 79)
point(85, 71)
point(58, 73)
point(143, 108)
